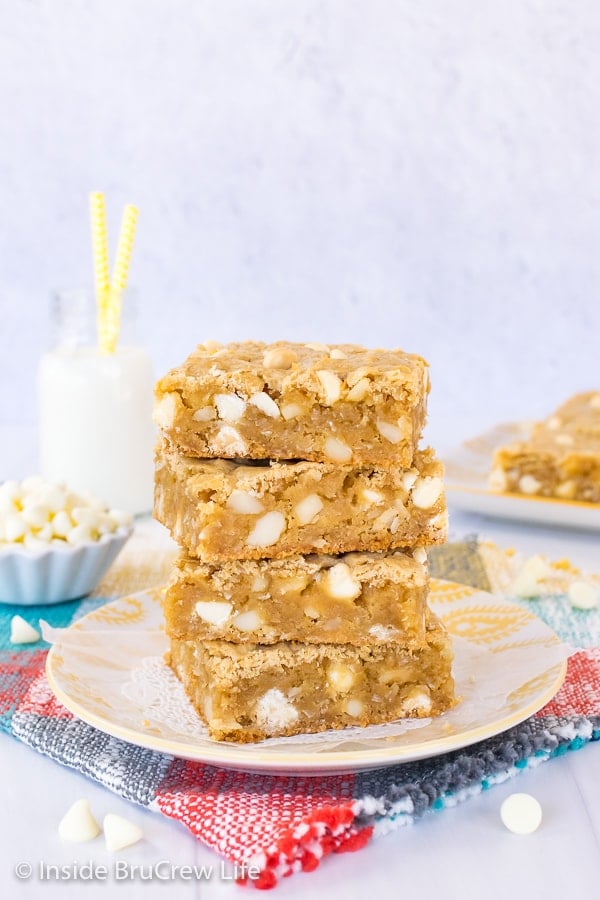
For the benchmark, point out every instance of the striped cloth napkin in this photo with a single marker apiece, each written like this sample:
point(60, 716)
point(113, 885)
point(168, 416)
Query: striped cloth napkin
point(285, 824)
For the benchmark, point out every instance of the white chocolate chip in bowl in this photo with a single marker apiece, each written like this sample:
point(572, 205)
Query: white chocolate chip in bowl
point(262, 401)
point(244, 503)
point(426, 491)
point(230, 407)
point(215, 612)
point(340, 583)
point(331, 385)
point(267, 530)
point(308, 509)
point(337, 451)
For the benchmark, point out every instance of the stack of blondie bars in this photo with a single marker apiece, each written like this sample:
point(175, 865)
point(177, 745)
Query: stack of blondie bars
point(291, 477)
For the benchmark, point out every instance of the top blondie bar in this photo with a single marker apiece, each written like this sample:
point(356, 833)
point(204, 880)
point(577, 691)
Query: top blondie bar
point(337, 403)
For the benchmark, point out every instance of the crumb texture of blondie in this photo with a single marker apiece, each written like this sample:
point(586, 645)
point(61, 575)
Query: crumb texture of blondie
point(356, 598)
point(561, 459)
point(222, 510)
point(249, 692)
point(326, 403)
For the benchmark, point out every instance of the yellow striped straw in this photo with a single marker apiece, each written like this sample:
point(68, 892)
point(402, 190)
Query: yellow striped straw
point(126, 237)
point(101, 268)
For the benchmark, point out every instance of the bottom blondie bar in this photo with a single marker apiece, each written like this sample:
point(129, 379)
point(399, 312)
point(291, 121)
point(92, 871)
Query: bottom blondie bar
point(248, 692)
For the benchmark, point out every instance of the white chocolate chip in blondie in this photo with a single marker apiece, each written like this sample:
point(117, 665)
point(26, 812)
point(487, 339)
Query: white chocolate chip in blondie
point(308, 509)
point(267, 530)
point(215, 612)
point(566, 490)
point(339, 582)
point(266, 404)
point(565, 440)
point(359, 391)
point(247, 621)
point(320, 348)
point(368, 495)
point(357, 374)
point(385, 519)
point(426, 491)
point(419, 554)
point(229, 440)
point(311, 612)
point(279, 358)
point(295, 583)
point(594, 401)
point(230, 407)
point(331, 384)
point(211, 346)
point(408, 479)
point(260, 583)
point(336, 353)
point(528, 484)
point(390, 432)
point(165, 411)
point(204, 414)
point(274, 711)
point(291, 411)
point(417, 700)
point(340, 677)
point(337, 451)
point(497, 480)
point(244, 503)
point(554, 423)
point(354, 708)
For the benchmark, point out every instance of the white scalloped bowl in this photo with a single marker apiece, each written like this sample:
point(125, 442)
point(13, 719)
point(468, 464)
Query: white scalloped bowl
point(55, 574)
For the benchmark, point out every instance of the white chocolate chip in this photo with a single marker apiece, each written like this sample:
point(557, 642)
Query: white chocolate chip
point(78, 824)
point(417, 699)
point(340, 677)
point(527, 583)
point(357, 374)
point(426, 491)
point(165, 411)
point(419, 555)
point(383, 632)
point(337, 451)
point(360, 390)
point(15, 526)
point(266, 404)
point(120, 833)
point(215, 612)
point(497, 480)
point(311, 612)
point(521, 813)
point(331, 384)
point(247, 621)
point(336, 353)
point(53, 497)
point(230, 407)
point(204, 414)
point(279, 358)
point(267, 530)
point(21, 632)
point(80, 534)
point(61, 524)
point(295, 583)
point(372, 497)
point(291, 411)
point(583, 595)
point(274, 711)
point(354, 708)
point(554, 423)
point(229, 440)
point(390, 432)
point(594, 401)
point(211, 346)
point(308, 509)
point(339, 582)
point(36, 515)
point(320, 348)
point(385, 519)
point(408, 479)
point(244, 503)
point(566, 490)
point(84, 515)
point(260, 583)
point(529, 485)
point(564, 440)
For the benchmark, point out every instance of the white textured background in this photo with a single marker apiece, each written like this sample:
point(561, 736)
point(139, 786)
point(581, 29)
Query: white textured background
point(385, 171)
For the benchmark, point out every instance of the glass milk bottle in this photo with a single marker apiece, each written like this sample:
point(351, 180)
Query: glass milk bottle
point(95, 408)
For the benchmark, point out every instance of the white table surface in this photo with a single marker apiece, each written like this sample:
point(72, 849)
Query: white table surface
point(463, 852)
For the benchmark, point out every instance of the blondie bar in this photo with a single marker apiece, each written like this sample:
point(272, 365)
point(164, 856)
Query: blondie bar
point(561, 458)
point(356, 598)
point(222, 509)
point(339, 403)
point(248, 692)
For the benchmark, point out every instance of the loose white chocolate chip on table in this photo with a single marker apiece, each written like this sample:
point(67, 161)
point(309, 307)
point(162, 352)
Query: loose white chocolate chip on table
point(21, 632)
point(230, 407)
point(528, 484)
point(308, 509)
point(216, 612)
point(78, 824)
point(120, 833)
point(331, 384)
point(244, 503)
point(521, 813)
point(337, 451)
point(267, 530)
point(426, 491)
point(583, 595)
point(528, 582)
point(339, 582)
point(389, 431)
point(279, 358)
point(266, 404)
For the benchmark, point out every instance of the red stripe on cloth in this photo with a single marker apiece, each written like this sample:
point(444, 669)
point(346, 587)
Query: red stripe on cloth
point(580, 692)
point(280, 824)
point(40, 700)
point(18, 671)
